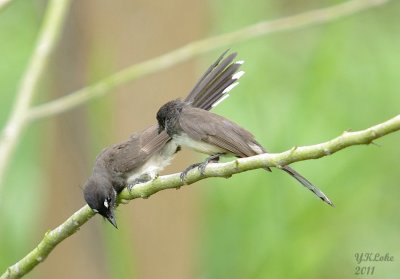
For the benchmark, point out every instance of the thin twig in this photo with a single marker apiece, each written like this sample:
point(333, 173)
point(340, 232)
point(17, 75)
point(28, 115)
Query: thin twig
point(69, 227)
point(302, 20)
point(45, 45)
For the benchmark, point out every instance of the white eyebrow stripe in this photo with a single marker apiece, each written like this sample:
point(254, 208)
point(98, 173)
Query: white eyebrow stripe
point(106, 203)
point(220, 100)
point(230, 87)
point(238, 75)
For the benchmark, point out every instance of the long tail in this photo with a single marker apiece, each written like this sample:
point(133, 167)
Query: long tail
point(308, 184)
point(216, 82)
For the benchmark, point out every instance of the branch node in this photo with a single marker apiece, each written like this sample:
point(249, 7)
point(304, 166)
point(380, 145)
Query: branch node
point(347, 131)
point(374, 133)
point(237, 164)
point(227, 176)
point(292, 150)
point(327, 151)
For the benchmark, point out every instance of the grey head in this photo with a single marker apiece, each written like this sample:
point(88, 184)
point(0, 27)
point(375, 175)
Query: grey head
point(101, 197)
point(168, 116)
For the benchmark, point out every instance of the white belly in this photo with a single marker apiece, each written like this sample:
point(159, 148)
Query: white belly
point(199, 146)
point(155, 164)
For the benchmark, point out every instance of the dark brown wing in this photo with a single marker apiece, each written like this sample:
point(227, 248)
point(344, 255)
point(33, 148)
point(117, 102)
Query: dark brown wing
point(155, 142)
point(211, 128)
point(131, 154)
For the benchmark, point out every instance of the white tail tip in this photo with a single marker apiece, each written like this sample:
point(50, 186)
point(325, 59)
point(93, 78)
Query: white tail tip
point(230, 87)
point(220, 100)
point(238, 75)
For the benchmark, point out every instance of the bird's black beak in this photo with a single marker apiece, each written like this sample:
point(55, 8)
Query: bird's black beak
point(111, 219)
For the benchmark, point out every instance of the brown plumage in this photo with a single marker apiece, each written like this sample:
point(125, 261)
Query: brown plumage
point(218, 131)
point(209, 133)
point(144, 154)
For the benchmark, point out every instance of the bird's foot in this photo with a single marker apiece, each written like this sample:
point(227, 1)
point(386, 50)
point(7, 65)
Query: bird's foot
point(201, 166)
point(187, 170)
point(142, 179)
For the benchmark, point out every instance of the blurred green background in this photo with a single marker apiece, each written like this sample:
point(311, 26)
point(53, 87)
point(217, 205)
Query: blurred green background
point(301, 87)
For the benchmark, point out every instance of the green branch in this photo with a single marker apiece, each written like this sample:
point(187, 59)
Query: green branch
point(184, 53)
point(69, 227)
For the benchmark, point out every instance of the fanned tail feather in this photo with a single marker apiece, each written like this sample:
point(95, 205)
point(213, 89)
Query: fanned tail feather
point(192, 95)
point(215, 83)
